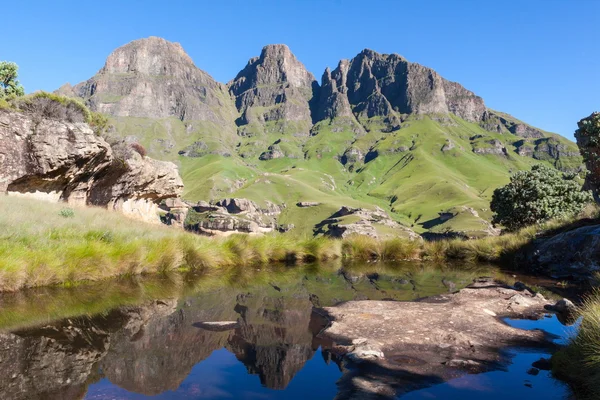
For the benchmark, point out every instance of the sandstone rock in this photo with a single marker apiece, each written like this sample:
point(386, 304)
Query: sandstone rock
point(373, 84)
point(563, 306)
point(449, 145)
point(348, 221)
point(569, 254)
point(489, 146)
point(60, 161)
point(155, 78)
point(274, 87)
point(308, 203)
point(234, 215)
point(443, 336)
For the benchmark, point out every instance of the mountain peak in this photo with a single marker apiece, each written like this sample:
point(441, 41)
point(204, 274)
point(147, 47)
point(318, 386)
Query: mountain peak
point(150, 56)
point(276, 49)
point(276, 64)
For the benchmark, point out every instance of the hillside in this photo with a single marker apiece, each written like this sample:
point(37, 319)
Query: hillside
point(378, 131)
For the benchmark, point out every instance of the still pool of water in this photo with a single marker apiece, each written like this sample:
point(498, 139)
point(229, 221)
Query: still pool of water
point(153, 338)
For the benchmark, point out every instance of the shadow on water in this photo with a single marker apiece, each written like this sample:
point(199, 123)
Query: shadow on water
point(243, 334)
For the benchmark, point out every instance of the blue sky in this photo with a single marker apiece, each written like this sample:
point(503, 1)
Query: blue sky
point(536, 59)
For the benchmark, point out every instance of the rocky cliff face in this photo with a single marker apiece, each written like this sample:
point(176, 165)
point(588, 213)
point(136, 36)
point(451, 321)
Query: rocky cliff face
point(155, 78)
point(386, 85)
point(273, 93)
point(62, 161)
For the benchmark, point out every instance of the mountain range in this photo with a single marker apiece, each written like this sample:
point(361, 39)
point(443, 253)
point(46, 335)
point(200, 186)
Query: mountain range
point(377, 132)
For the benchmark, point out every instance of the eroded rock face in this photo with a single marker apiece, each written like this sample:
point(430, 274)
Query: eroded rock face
point(61, 161)
point(348, 221)
point(155, 78)
point(274, 87)
point(234, 215)
point(387, 85)
point(574, 253)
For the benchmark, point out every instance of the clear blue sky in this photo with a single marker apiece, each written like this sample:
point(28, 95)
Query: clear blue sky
point(536, 59)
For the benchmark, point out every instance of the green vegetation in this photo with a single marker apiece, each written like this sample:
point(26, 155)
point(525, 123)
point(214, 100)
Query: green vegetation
point(588, 140)
point(405, 172)
point(46, 244)
point(9, 84)
point(537, 196)
point(52, 106)
point(579, 362)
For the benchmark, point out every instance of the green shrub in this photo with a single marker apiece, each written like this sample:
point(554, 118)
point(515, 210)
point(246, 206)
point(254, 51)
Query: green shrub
point(588, 140)
point(98, 122)
point(537, 196)
point(9, 85)
point(67, 213)
point(52, 106)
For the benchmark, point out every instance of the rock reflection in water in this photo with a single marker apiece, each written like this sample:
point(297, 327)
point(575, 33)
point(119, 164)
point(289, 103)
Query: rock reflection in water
point(151, 348)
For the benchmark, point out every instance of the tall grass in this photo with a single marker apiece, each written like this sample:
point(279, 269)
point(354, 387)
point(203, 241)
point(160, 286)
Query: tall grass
point(579, 362)
point(41, 245)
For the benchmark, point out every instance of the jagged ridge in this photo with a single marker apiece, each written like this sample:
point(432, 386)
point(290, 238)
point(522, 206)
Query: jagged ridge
point(378, 130)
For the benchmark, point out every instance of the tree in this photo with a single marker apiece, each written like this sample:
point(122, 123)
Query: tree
point(536, 196)
point(9, 85)
point(588, 140)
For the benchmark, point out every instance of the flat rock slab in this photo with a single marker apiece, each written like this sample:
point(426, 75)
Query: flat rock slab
point(216, 326)
point(394, 347)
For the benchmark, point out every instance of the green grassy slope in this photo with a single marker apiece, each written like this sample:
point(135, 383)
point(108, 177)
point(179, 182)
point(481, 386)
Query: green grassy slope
point(426, 167)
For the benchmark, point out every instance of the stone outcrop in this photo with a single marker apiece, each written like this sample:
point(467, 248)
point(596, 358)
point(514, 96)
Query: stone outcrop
point(155, 78)
point(401, 345)
point(234, 215)
point(61, 161)
point(274, 89)
point(459, 222)
point(483, 145)
point(348, 221)
point(387, 85)
point(571, 254)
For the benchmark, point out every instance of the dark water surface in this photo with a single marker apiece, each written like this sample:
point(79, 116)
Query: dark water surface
point(153, 338)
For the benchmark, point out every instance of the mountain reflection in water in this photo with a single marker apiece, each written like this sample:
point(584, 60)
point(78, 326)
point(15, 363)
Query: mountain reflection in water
point(163, 347)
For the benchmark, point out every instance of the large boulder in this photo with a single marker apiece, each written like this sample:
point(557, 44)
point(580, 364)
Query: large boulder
point(61, 161)
point(348, 221)
point(574, 253)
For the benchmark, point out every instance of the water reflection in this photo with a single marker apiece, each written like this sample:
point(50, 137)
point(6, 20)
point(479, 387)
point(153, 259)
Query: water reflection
point(133, 346)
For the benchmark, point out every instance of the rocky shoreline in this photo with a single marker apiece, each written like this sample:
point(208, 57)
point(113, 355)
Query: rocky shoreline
point(389, 348)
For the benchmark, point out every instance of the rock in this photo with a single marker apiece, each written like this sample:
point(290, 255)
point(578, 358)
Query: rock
point(462, 363)
point(217, 326)
point(235, 215)
point(363, 351)
point(236, 206)
point(308, 203)
point(155, 78)
point(563, 306)
point(274, 88)
point(361, 222)
point(533, 371)
point(543, 364)
point(442, 336)
point(489, 146)
point(61, 161)
point(449, 145)
point(569, 254)
point(368, 86)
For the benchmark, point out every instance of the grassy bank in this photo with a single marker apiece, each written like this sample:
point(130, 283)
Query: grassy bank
point(579, 362)
point(46, 244)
